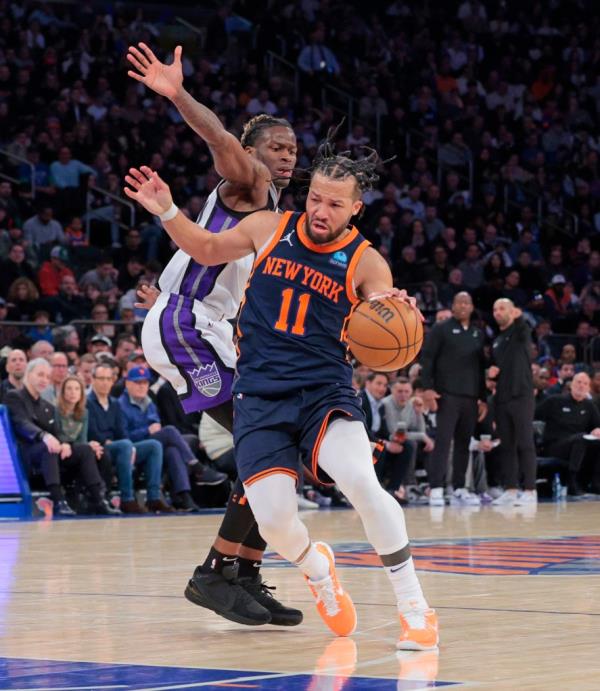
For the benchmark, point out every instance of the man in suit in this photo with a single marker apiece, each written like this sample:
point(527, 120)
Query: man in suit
point(386, 450)
point(371, 397)
point(37, 428)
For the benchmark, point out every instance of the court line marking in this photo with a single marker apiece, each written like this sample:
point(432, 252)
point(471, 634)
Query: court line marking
point(278, 675)
point(71, 688)
point(301, 602)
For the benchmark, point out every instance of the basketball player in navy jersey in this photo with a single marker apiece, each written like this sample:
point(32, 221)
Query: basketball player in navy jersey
point(186, 336)
point(293, 391)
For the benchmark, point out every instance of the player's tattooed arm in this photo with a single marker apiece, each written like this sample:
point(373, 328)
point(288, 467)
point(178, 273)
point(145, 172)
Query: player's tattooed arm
point(147, 188)
point(373, 280)
point(231, 161)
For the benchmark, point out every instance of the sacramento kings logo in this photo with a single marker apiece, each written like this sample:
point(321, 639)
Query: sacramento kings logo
point(207, 379)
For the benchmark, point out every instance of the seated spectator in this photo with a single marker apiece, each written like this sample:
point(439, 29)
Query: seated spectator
point(41, 349)
point(16, 362)
point(125, 345)
point(106, 427)
point(66, 173)
point(15, 266)
point(85, 370)
point(41, 330)
point(60, 370)
point(572, 432)
point(141, 420)
point(105, 277)
point(75, 233)
point(99, 344)
point(66, 338)
point(132, 247)
point(43, 231)
point(406, 427)
point(53, 271)
point(8, 334)
point(37, 429)
point(130, 274)
point(566, 372)
point(371, 396)
point(558, 299)
point(23, 300)
point(73, 418)
point(69, 304)
point(15, 236)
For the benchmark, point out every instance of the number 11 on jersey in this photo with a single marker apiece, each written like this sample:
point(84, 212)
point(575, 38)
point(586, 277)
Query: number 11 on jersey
point(282, 323)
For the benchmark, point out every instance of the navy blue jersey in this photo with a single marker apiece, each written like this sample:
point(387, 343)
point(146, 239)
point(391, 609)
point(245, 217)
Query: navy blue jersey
point(291, 326)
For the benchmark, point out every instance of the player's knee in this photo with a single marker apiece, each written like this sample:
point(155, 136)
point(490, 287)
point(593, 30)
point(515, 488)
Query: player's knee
point(275, 519)
point(362, 489)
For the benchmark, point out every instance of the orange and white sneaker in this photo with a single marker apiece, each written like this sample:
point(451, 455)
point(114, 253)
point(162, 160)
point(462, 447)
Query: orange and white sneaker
point(333, 603)
point(418, 629)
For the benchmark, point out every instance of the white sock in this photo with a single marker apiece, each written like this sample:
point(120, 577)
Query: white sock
point(314, 564)
point(406, 585)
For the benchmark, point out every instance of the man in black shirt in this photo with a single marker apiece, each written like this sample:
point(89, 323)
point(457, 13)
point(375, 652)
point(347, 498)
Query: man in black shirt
point(16, 362)
point(572, 430)
point(453, 372)
point(511, 354)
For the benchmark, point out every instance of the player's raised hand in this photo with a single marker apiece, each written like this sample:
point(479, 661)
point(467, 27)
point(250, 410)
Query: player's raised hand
point(166, 80)
point(149, 190)
point(147, 296)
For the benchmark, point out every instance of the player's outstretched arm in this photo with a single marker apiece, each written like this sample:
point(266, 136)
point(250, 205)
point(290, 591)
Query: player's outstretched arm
point(373, 279)
point(147, 188)
point(231, 161)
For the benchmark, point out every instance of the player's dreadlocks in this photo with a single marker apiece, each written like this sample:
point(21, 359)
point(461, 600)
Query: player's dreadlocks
point(340, 166)
point(257, 125)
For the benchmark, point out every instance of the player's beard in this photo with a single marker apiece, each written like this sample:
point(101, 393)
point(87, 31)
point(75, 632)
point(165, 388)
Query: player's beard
point(324, 239)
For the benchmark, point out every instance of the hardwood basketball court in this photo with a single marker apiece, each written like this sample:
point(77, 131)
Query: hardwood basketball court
point(97, 604)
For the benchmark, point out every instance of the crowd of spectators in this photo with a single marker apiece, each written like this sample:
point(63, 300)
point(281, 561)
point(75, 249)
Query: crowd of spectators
point(115, 421)
point(490, 110)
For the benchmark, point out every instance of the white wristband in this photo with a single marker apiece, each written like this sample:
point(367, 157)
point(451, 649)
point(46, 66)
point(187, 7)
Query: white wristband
point(170, 213)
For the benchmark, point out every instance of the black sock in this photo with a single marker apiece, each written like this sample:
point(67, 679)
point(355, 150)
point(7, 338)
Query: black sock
point(217, 562)
point(249, 568)
point(55, 493)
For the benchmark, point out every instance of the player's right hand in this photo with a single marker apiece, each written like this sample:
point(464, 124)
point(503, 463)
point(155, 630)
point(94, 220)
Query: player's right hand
point(166, 80)
point(148, 296)
point(149, 190)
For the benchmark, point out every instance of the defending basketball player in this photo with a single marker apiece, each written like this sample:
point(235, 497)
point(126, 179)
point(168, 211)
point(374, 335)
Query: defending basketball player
point(186, 336)
point(294, 390)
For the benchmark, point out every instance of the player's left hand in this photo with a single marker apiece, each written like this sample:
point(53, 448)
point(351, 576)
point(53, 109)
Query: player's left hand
point(397, 294)
point(149, 190)
point(165, 79)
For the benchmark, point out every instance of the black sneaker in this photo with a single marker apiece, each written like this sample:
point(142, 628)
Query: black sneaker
point(205, 475)
point(61, 508)
point(103, 508)
point(184, 502)
point(261, 592)
point(226, 598)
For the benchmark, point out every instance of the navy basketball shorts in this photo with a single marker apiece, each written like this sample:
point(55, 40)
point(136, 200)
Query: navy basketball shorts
point(275, 435)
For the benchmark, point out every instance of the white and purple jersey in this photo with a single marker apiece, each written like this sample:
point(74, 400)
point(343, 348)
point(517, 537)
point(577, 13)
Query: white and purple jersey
point(219, 288)
point(186, 336)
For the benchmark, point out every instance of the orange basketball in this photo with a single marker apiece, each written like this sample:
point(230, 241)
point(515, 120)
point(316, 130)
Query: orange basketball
point(385, 334)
